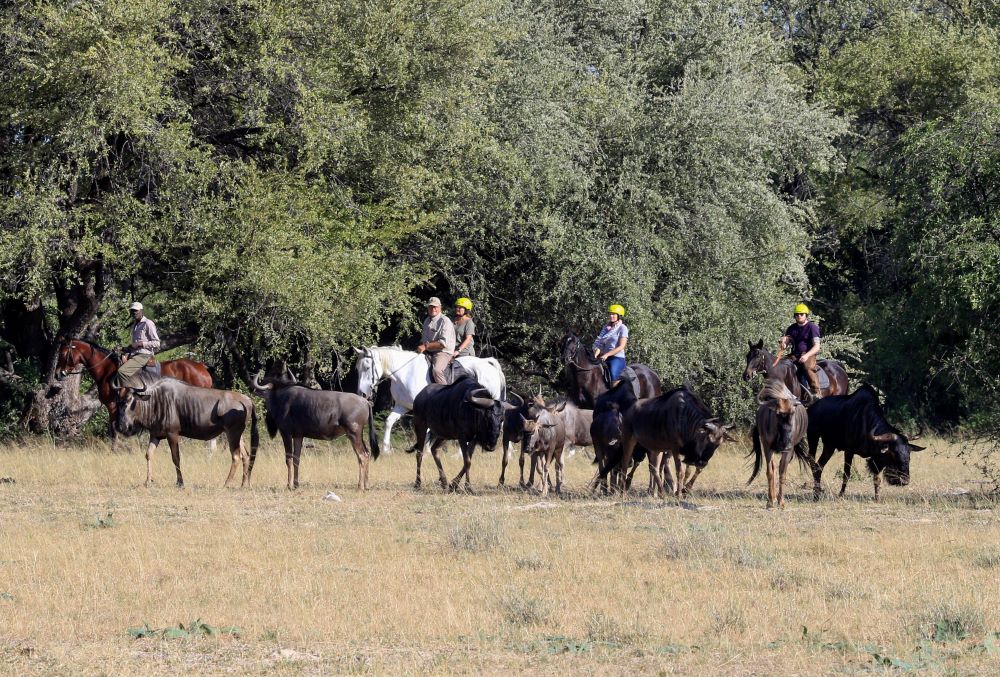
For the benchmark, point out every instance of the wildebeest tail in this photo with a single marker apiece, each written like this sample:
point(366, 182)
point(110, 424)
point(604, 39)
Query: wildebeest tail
point(254, 438)
point(272, 425)
point(372, 439)
point(758, 454)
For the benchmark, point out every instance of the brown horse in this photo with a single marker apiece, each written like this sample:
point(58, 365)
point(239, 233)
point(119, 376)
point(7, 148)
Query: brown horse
point(761, 360)
point(585, 374)
point(76, 355)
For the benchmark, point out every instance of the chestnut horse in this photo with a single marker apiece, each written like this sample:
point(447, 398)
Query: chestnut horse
point(76, 355)
point(761, 360)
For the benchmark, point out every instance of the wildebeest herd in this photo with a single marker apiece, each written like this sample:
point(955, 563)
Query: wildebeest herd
point(625, 422)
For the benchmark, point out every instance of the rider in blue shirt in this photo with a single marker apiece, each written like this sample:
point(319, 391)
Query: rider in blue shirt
point(611, 342)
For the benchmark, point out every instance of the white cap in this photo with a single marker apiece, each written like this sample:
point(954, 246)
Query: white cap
point(434, 301)
point(135, 306)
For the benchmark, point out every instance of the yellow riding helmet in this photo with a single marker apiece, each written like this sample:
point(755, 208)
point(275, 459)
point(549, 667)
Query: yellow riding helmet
point(617, 310)
point(801, 308)
point(464, 303)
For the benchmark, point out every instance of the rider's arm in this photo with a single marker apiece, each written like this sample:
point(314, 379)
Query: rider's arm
point(812, 351)
point(462, 346)
point(622, 342)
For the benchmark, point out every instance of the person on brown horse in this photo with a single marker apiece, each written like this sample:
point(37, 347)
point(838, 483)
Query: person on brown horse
point(145, 343)
point(802, 337)
point(437, 340)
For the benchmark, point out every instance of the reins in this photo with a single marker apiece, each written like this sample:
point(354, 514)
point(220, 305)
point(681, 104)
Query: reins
point(84, 366)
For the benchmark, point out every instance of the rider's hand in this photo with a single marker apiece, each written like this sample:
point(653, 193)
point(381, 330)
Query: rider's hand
point(803, 359)
point(421, 348)
point(603, 358)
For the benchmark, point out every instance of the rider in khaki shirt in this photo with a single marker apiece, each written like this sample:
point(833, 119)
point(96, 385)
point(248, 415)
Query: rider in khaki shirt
point(437, 339)
point(145, 342)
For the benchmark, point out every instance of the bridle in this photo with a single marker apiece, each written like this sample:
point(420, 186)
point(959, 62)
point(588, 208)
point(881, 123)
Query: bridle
point(83, 365)
point(375, 378)
point(572, 361)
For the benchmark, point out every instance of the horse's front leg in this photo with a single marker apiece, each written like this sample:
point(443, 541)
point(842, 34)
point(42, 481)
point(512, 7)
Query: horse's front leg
point(390, 420)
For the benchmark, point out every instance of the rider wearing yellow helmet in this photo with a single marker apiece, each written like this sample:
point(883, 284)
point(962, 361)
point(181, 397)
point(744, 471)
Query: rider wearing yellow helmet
point(802, 337)
point(611, 342)
point(465, 328)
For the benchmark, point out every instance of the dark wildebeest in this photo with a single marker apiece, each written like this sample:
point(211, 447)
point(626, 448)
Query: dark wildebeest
point(584, 373)
point(780, 430)
point(169, 408)
point(545, 439)
point(298, 412)
point(678, 422)
point(857, 424)
point(513, 432)
point(76, 355)
point(761, 361)
point(463, 411)
point(605, 429)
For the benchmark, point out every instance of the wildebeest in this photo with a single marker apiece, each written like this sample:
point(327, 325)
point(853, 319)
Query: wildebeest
point(545, 440)
point(169, 408)
point(857, 424)
point(513, 433)
point(761, 360)
point(605, 429)
point(678, 422)
point(575, 423)
point(780, 429)
point(76, 355)
point(585, 374)
point(462, 411)
point(298, 412)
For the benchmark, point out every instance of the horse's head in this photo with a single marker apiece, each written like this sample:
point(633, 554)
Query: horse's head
point(569, 345)
point(369, 371)
point(756, 360)
point(71, 358)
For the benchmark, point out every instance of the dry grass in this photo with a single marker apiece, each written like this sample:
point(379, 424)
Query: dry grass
point(401, 581)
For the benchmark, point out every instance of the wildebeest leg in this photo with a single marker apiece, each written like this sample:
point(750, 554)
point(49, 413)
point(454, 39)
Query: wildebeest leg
point(828, 451)
point(678, 468)
point(420, 457)
point(175, 455)
point(772, 484)
point(466, 448)
point(689, 483)
point(560, 464)
point(543, 472)
point(153, 441)
point(508, 453)
point(437, 459)
point(877, 479)
point(520, 462)
point(390, 420)
point(286, 441)
point(785, 458)
point(848, 460)
point(531, 472)
point(655, 458)
point(355, 434)
point(297, 446)
point(236, 451)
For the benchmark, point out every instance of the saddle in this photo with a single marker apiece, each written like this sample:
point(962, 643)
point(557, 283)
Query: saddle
point(800, 373)
point(453, 372)
point(152, 368)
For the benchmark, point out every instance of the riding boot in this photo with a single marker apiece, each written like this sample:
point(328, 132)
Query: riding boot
point(811, 368)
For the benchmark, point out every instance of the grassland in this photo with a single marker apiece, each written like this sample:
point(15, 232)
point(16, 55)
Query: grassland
point(400, 581)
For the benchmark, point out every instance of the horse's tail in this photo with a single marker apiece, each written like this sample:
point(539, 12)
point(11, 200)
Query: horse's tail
point(372, 439)
point(758, 454)
point(254, 438)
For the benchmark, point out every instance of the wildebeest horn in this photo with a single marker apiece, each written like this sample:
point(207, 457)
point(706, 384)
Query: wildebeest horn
point(884, 438)
point(520, 400)
point(256, 384)
point(477, 398)
point(290, 374)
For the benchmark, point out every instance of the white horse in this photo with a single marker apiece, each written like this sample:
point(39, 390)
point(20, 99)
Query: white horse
point(409, 374)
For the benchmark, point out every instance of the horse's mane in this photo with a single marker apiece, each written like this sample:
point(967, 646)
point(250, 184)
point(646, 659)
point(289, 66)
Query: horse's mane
point(775, 390)
point(93, 344)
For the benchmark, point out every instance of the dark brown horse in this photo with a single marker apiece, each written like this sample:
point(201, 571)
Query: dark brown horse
point(76, 355)
point(585, 380)
point(760, 360)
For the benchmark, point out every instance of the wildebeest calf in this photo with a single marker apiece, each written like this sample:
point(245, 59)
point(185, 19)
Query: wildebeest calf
point(545, 440)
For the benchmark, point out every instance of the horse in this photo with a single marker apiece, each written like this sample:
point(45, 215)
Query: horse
point(780, 429)
point(761, 360)
point(585, 373)
point(76, 355)
point(409, 373)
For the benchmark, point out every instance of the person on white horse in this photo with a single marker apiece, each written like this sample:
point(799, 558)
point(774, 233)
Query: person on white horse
point(408, 374)
point(437, 340)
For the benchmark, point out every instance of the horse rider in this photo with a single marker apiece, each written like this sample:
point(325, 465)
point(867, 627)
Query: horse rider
point(145, 342)
point(611, 342)
point(802, 336)
point(465, 328)
point(437, 340)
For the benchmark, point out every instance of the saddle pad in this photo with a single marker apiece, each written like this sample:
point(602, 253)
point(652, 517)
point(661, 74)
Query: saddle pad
point(824, 380)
